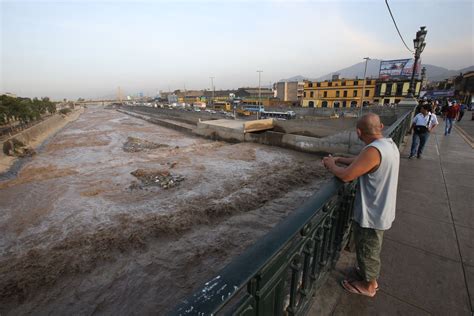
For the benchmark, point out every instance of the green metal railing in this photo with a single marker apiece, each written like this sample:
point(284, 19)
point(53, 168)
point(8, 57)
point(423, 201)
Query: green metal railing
point(279, 274)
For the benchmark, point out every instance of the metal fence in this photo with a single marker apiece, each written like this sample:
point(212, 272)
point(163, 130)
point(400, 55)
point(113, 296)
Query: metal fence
point(279, 274)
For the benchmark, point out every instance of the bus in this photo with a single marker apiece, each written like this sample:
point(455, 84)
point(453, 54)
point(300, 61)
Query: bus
point(252, 108)
point(222, 106)
point(288, 115)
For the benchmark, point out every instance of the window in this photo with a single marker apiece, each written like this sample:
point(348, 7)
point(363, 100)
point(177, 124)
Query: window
point(399, 89)
point(304, 94)
point(367, 93)
point(311, 104)
point(318, 84)
point(325, 94)
point(337, 94)
point(310, 84)
point(324, 104)
point(336, 104)
point(344, 104)
point(356, 83)
point(386, 101)
point(329, 84)
point(344, 94)
point(354, 94)
point(311, 94)
point(368, 81)
point(343, 83)
point(388, 90)
point(377, 89)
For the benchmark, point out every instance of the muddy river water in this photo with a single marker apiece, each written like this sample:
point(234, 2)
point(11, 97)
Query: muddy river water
point(79, 236)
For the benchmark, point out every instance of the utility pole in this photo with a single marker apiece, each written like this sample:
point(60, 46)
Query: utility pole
point(259, 92)
point(184, 99)
point(119, 95)
point(212, 87)
point(363, 87)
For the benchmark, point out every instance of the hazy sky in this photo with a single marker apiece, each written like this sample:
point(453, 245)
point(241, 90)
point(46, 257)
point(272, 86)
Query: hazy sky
point(88, 48)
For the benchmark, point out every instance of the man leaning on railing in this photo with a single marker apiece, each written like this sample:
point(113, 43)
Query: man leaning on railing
point(376, 166)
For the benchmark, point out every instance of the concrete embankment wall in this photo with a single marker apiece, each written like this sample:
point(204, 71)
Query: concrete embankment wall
point(335, 136)
point(188, 117)
point(35, 135)
point(326, 112)
point(345, 142)
point(324, 127)
point(172, 125)
point(219, 133)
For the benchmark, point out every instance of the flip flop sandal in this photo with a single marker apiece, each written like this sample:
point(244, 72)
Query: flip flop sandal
point(350, 288)
point(358, 274)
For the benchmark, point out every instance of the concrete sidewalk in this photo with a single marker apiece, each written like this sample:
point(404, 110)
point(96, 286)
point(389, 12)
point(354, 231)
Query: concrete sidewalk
point(428, 255)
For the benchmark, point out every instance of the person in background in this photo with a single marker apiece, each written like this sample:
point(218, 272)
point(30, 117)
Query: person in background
point(451, 114)
point(462, 108)
point(423, 124)
point(377, 168)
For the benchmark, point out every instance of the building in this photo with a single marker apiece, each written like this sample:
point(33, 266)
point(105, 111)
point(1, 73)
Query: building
point(252, 93)
point(189, 96)
point(393, 91)
point(219, 95)
point(338, 93)
point(290, 91)
point(464, 86)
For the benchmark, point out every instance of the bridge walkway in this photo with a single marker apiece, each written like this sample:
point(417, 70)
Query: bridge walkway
point(428, 254)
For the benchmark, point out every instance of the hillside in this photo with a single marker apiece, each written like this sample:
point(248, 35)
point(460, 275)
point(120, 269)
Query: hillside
point(433, 73)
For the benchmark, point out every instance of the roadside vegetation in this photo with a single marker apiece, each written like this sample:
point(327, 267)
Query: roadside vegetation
point(23, 110)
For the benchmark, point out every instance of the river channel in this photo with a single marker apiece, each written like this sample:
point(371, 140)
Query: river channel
point(81, 234)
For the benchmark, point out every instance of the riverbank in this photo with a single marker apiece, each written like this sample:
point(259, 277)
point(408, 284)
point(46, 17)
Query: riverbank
point(34, 136)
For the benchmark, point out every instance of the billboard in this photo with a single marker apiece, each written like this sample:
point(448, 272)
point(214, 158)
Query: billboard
point(398, 69)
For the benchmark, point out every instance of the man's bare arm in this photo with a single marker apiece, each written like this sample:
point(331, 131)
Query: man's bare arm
point(344, 160)
point(367, 161)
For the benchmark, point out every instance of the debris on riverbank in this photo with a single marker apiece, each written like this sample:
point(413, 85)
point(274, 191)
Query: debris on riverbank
point(16, 148)
point(133, 145)
point(161, 178)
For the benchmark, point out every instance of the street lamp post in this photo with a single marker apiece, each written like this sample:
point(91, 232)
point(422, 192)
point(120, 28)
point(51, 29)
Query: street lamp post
point(419, 44)
point(363, 87)
point(259, 93)
point(212, 87)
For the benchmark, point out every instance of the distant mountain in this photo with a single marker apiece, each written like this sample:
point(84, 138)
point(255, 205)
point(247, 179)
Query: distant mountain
point(433, 73)
point(440, 73)
point(295, 78)
point(356, 70)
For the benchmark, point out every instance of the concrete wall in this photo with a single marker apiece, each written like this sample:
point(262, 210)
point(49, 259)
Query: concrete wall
point(219, 133)
point(345, 142)
point(323, 127)
point(335, 136)
point(156, 121)
point(326, 112)
point(315, 128)
point(35, 135)
point(189, 117)
point(342, 143)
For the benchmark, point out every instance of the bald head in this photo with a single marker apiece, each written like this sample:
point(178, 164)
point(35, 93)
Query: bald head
point(370, 125)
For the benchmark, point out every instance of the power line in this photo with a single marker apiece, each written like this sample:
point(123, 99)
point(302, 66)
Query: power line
point(390, 11)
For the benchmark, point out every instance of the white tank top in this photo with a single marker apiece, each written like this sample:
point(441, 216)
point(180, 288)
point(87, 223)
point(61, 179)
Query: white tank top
point(376, 196)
